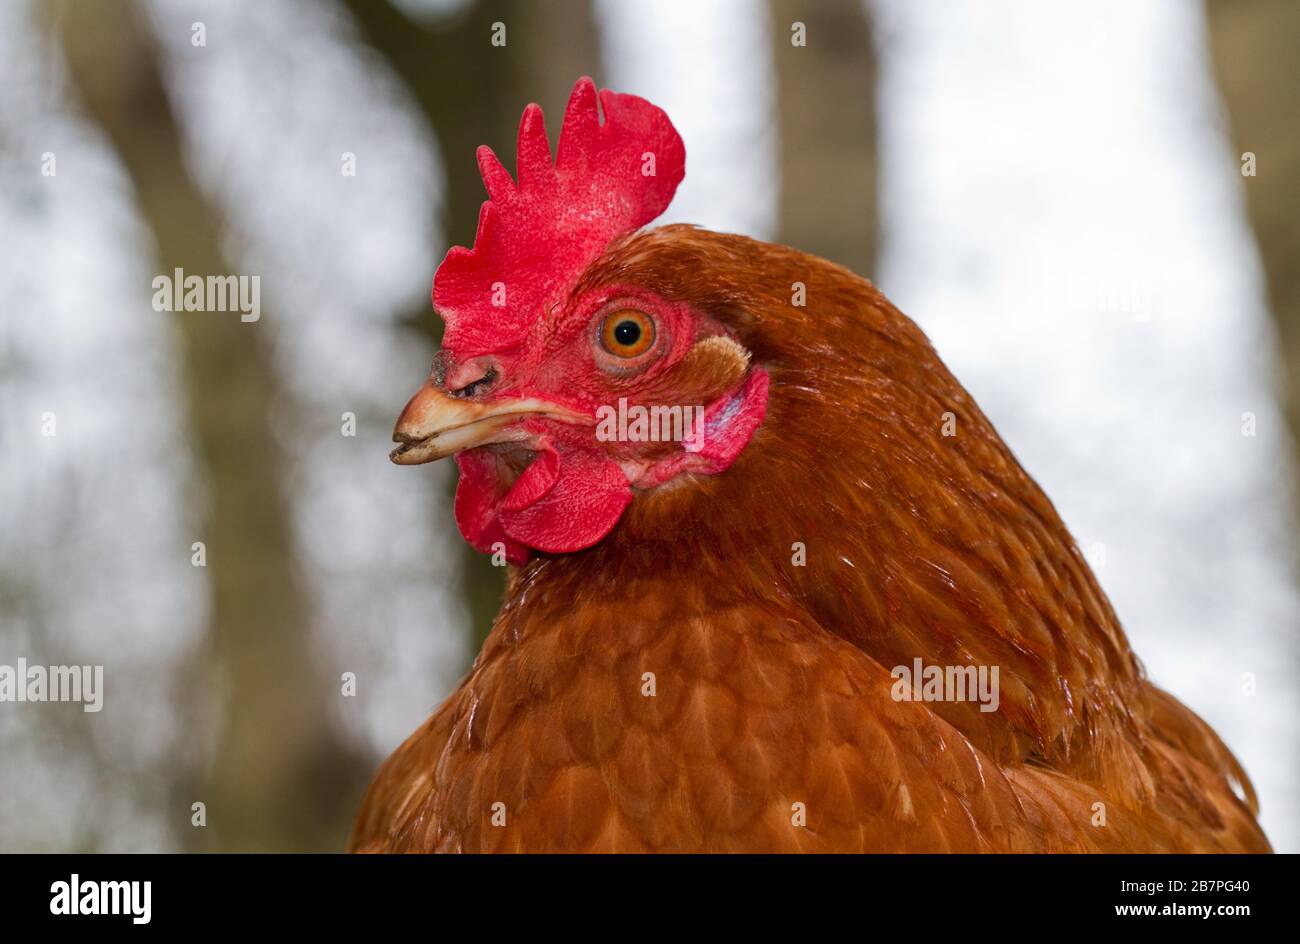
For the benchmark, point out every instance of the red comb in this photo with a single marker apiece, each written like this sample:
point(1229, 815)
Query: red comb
point(534, 238)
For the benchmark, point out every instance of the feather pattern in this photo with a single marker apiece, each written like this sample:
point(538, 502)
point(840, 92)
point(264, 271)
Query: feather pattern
point(685, 685)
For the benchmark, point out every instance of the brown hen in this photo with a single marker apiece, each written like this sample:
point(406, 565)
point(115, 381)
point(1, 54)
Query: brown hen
point(697, 646)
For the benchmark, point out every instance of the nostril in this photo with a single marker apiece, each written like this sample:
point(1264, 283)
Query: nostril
point(470, 378)
point(480, 385)
point(474, 386)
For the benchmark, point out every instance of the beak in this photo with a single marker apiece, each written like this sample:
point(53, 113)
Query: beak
point(434, 425)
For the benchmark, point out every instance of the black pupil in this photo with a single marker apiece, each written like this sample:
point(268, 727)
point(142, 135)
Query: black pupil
point(627, 333)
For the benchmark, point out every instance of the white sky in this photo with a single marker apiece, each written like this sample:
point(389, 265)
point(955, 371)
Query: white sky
point(94, 523)
point(268, 120)
point(709, 67)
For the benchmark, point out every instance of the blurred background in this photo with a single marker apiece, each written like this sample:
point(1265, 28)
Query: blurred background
point(1090, 207)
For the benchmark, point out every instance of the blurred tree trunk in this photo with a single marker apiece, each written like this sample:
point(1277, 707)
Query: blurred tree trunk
point(826, 109)
point(1255, 46)
point(279, 779)
point(473, 93)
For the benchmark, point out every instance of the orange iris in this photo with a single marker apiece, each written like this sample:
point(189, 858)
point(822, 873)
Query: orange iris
point(627, 333)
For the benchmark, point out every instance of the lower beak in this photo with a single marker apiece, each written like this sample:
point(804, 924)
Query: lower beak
point(434, 425)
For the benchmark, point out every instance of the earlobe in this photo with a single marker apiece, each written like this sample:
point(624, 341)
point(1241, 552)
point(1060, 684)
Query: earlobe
point(729, 425)
point(711, 368)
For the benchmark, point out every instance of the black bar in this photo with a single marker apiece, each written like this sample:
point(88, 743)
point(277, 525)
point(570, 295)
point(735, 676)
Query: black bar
point(335, 894)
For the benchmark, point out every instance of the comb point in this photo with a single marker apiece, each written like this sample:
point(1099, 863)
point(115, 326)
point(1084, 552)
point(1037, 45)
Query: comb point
point(496, 179)
point(534, 150)
point(581, 123)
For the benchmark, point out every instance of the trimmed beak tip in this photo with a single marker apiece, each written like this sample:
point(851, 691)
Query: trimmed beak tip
point(434, 425)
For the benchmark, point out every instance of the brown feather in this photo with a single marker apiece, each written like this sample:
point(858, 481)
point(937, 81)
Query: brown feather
point(772, 683)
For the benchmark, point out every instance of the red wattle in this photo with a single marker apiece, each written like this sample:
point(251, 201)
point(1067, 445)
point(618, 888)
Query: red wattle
point(477, 495)
point(535, 482)
point(566, 500)
point(585, 503)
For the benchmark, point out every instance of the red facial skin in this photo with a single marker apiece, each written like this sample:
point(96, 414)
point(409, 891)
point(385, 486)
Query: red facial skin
point(509, 304)
point(556, 487)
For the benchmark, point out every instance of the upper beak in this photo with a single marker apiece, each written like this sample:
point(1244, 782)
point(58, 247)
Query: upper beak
point(434, 425)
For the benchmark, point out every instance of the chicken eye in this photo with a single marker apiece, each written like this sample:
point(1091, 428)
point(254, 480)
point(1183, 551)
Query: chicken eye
point(627, 333)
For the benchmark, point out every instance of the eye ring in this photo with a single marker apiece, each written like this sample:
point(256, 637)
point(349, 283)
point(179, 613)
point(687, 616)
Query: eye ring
point(627, 333)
